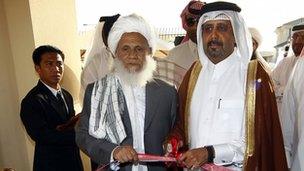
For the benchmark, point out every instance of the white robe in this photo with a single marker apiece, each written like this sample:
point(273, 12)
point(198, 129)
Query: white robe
point(184, 54)
point(217, 113)
point(292, 118)
point(96, 67)
point(173, 68)
point(280, 76)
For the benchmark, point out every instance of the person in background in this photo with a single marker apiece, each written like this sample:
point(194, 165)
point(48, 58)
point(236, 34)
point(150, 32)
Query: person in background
point(256, 42)
point(282, 71)
point(227, 106)
point(127, 111)
point(292, 117)
point(98, 59)
point(47, 113)
point(181, 57)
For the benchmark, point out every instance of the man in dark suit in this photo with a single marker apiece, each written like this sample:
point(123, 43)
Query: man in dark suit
point(128, 112)
point(47, 113)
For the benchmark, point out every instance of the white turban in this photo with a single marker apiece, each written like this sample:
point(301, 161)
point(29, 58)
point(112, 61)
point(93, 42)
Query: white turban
point(256, 35)
point(128, 24)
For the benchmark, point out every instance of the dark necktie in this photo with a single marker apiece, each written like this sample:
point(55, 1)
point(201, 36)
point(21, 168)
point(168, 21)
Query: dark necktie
point(61, 103)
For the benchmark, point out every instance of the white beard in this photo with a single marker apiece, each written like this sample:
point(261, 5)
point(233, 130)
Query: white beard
point(135, 78)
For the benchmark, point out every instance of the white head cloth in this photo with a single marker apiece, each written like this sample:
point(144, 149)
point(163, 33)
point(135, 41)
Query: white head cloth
point(240, 31)
point(97, 60)
point(128, 24)
point(258, 38)
point(96, 45)
point(256, 35)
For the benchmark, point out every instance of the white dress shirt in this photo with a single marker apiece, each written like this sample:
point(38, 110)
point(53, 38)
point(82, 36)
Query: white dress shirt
point(217, 114)
point(54, 92)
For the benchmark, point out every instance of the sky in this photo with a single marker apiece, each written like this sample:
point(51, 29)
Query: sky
point(265, 15)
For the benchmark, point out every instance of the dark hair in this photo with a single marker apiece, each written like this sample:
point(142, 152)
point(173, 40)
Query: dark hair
point(39, 51)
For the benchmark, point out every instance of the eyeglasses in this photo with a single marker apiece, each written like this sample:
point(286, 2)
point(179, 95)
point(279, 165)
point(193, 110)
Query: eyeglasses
point(191, 21)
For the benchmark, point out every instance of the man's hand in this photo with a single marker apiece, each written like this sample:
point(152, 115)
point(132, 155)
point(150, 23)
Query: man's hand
point(194, 158)
point(69, 125)
point(172, 146)
point(125, 154)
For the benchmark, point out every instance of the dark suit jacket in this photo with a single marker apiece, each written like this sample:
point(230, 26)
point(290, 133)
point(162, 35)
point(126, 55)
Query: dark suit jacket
point(160, 116)
point(40, 114)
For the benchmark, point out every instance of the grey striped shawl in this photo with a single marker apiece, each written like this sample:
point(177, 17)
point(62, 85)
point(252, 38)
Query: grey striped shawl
point(107, 105)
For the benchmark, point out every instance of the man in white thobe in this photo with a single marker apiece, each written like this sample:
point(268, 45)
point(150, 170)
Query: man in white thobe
point(281, 73)
point(223, 98)
point(292, 117)
point(181, 57)
point(256, 42)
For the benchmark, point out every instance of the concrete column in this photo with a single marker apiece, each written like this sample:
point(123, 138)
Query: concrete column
point(17, 77)
point(26, 24)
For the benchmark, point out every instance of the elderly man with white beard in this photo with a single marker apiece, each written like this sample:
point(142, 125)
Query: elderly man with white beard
point(128, 112)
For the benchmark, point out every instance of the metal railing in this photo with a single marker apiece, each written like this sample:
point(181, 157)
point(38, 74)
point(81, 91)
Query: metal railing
point(169, 34)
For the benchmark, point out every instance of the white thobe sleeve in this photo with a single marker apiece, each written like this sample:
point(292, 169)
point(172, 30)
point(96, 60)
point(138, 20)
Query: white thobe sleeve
point(229, 152)
point(287, 119)
point(290, 117)
point(276, 77)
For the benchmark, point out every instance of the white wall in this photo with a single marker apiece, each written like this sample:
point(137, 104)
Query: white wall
point(16, 75)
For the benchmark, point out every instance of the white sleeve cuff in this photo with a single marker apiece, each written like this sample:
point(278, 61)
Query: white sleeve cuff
point(114, 166)
point(223, 154)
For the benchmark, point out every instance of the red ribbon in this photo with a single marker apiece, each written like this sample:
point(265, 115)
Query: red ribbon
point(155, 158)
point(173, 157)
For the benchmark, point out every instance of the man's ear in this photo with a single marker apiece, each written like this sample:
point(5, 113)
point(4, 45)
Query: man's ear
point(37, 68)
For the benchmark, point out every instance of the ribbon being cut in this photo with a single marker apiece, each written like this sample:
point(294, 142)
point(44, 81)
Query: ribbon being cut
point(154, 158)
point(171, 158)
